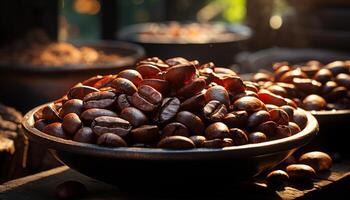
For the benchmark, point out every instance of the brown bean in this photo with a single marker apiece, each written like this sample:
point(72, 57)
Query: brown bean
point(257, 118)
point(277, 177)
point(300, 118)
point(56, 129)
point(192, 88)
point(72, 106)
point(314, 102)
point(319, 161)
point(279, 116)
point(192, 122)
point(217, 130)
point(176, 142)
point(85, 135)
point(214, 111)
point(198, 140)
point(249, 104)
point(238, 136)
point(111, 140)
point(50, 113)
point(124, 86)
point(71, 123)
point(257, 137)
point(145, 133)
point(218, 143)
point(300, 172)
point(175, 128)
point(132, 75)
point(236, 119)
point(180, 74)
point(217, 93)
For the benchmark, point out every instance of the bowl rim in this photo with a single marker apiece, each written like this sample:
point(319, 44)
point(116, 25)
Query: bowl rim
point(124, 61)
point(129, 33)
point(137, 153)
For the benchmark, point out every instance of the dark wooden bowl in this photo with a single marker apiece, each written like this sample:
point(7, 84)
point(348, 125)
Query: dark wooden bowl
point(221, 53)
point(27, 86)
point(157, 168)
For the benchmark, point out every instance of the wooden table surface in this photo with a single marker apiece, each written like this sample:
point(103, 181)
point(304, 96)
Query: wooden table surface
point(42, 186)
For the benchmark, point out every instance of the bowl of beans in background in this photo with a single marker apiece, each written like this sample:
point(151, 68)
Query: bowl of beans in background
point(171, 122)
point(322, 89)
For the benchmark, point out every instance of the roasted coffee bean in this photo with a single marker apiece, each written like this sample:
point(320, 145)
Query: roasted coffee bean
point(191, 121)
point(299, 117)
point(70, 190)
point(236, 119)
point(343, 80)
point(175, 128)
point(91, 81)
point(176, 142)
point(134, 116)
point(336, 93)
point(218, 143)
point(72, 106)
point(291, 103)
point(148, 70)
point(279, 116)
point(40, 124)
point(276, 89)
point(85, 135)
point(233, 84)
point(145, 133)
point(102, 99)
point(310, 70)
point(168, 110)
point(319, 161)
point(180, 74)
point(323, 75)
point(289, 110)
point(160, 85)
point(217, 93)
point(268, 128)
point(270, 107)
point(106, 81)
point(300, 172)
point(314, 102)
point(124, 86)
point(123, 101)
point(277, 177)
point(79, 92)
point(269, 98)
point(249, 104)
point(257, 137)
point(337, 67)
point(90, 114)
point(217, 130)
point(225, 71)
point(244, 94)
point(290, 75)
point(262, 76)
point(282, 131)
point(238, 136)
point(192, 88)
point(115, 125)
point(194, 103)
point(132, 75)
point(294, 128)
point(108, 89)
point(328, 87)
point(176, 61)
point(198, 140)
point(281, 71)
point(111, 140)
point(71, 123)
point(214, 111)
point(257, 118)
point(289, 88)
point(56, 129)
point(50, 113)
point(307, 85)
point(146, 99)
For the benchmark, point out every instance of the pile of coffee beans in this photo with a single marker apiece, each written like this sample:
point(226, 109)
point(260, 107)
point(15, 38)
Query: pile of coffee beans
point(300, 170)
point(174, 104)
point(313, 86)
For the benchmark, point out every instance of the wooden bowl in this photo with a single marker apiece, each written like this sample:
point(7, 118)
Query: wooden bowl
point(140, 168)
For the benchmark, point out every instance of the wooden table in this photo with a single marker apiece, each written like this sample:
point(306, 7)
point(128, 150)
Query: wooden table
point(335, 183)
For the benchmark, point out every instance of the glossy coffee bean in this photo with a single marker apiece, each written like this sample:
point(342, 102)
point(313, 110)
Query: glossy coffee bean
point(124, 86)
point(105, 82)
point(268, 128)
point(249, 104)
point(289, 88)
point(132, 75)
point(194, 103)
point(79, 92)
point(314, 102)
point(198, 140)
point(176, 61)
point(145, 133)
point(337, 67)
point(218, 143)
point(85, 135)
point(257, 118)
point(257, 137)
point(328, 87)
point(148, 70)
point(217, 93)
point(236, 119)
point(175, 128)
point(115, 125)
point(72, 106)
point(319, 161)
point(214, 111)
point(180, 74)
point(294, 128)
point(111, 140)
point(307, 85)
point(279, 116)
point(90, 114)
point(289, 110)
point(310, 70)
point(233, 84)
point(337, 93)
point(277, 177)
point(56, 129)
point(343, 80)
point(238, 136)
point(299, 117)
point(71, 123)
point(134, 116)
point(168, 110)
point(191, 121)
point(262, 76)
point(300, 172)
point(91, 81)
point(176, 142)
point(268, 97)
point(102, 99)
point(123, 101)
point(160, 85)
point(290, 75)
point(276, 89)
point(282, 131)
point(270, 107)
point(146, 99)
point(192, 88)
point(40, 124)
point(323, 75)
point(49, 113)
point(70, 190)
point(217, 130)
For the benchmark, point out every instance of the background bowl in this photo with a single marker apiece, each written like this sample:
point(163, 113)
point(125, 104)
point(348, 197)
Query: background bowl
point(151, 167)
point(221, 53)
point(27, 86)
